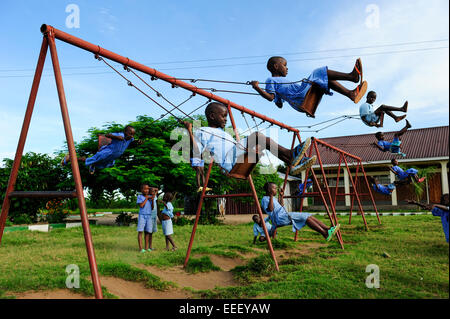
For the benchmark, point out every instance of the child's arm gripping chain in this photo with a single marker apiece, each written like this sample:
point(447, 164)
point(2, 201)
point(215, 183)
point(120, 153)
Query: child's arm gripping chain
point(264, 94)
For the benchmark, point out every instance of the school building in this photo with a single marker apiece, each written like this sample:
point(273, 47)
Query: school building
point(426, 149)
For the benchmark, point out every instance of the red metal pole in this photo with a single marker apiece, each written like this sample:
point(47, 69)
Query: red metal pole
point(197, 216)
point(337, 149)
point(23, 136)
point(337, 179)
point(258, 206)
point(145, 69)
point(370, 193)
point(356, 193)
point(75, 168)
point(288, 168)
point(357, 183)
point(304, 185)
point(333, 209)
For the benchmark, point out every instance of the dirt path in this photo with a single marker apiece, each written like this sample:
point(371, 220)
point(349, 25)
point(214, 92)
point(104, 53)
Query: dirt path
point(50, 294)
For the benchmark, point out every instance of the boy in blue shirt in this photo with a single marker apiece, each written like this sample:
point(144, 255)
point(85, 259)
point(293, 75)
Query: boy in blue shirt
point(394, 146)
point(107, 154)
point(380, 188)
point(145, 223)
point(259, 230)
point(279, 89)
point(226, 151)
point(372, 117)
point(280, 217)
point(302, 188)
point(405, 176)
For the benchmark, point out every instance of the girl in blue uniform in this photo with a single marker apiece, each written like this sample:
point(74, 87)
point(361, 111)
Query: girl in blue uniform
point(279, 89)
point(259, 230)
point(166, 222)
point(107, 154)
point(405, 176)
point(394, 146)
point(280, 217)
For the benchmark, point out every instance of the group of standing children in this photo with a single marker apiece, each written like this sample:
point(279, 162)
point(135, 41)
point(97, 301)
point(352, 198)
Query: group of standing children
point(147, 220)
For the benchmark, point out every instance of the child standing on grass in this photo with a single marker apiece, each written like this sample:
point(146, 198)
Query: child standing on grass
point(107, 154)
point(279, 89)
point(145, 223)
point(259, 230)
point(394, 146)
point(441, 210)
point(375, 118)
point(154, 199)
point(405, 176)
point(166, 223)
point(280, 217)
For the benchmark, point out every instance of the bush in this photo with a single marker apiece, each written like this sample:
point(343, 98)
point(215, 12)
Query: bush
point(125, 219)
point(55, 212)
point(20, 219)
point(181, 221)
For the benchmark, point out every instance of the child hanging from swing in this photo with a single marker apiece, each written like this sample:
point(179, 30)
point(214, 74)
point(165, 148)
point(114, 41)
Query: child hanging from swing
point(394, 146)
point(280, 217)
point(279, 88)
point(226, 151)
point(380, 188)
point(259, 230)
point(405, 176)
point(441, 210)
point(372, 117)
point(107, 154)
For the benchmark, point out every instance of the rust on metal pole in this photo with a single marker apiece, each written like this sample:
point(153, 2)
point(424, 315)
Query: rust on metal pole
point(96, 49)
point(258, 207)
point(370, 193)
point(333, 209)
point(197, 215)
point(288, 168)
point(337, 179)
point(75, 168)
point(337, 149)
point(356, 193)
point(23, 135)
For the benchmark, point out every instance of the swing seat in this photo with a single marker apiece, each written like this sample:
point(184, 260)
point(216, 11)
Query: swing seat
point(312, 100)
point(243, 168)
point(103, 140)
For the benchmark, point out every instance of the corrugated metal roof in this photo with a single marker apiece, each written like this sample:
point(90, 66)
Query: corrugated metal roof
point(431, 142)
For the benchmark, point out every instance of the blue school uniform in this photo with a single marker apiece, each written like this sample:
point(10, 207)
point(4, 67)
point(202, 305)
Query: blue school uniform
point(280, 217)
point(294, 93)
point(367, 114)
point(302, 185)
point(393, 147)
point(107, 154)
point(386, 190)
point(167, 225)
point(404, 174)
point(222, 146)
point(145, 222)
point(258, 230)
point(444, 218)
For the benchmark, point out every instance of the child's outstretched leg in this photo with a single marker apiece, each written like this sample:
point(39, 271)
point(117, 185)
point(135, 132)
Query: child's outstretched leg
point(66, 160)
point(403, 130)
point(318, 226)
point(389, 109)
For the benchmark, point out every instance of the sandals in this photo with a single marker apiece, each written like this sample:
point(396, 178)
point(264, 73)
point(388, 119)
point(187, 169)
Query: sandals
point(358, 68)
point(360, 91)
point(299, 151)
point(333, 231)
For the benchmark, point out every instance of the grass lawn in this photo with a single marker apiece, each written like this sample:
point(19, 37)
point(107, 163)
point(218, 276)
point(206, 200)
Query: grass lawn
point(418, 266)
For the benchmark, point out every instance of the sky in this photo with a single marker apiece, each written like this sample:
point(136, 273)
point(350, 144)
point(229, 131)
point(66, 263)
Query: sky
point(403, 46)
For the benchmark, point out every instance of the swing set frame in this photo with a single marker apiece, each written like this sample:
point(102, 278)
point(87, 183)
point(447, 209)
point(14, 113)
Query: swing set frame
point(50, 34)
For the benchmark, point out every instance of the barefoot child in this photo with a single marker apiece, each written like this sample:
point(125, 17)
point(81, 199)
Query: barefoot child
point(407, 176)
point(259, 230)
point(279, 89)
point(441, 210)
point(394, 146)
point(280, 217)
point(376, 118)
point(107, 154)
point(145, 218)
point(226, 151)
point(166, 223)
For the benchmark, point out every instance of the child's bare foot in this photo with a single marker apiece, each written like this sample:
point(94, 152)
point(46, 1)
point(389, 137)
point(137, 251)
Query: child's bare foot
point(399, 118)
point(167, 248)
point(357, 94)
point(405, 107)
point(174, 248)
point(357, 71)
point(408, 125)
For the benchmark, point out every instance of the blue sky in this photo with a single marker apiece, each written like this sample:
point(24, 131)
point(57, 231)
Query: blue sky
point(160, 33)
